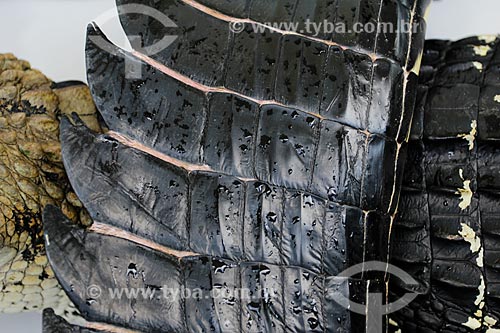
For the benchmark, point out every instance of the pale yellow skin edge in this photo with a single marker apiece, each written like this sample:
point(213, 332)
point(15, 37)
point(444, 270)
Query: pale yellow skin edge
point(32, 176)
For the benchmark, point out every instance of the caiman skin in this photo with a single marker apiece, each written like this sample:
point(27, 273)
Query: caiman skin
point(449, 260)
point(53, 323)
point(32, 176)
point(454, 258)
point(266, 161)
point(448, 230)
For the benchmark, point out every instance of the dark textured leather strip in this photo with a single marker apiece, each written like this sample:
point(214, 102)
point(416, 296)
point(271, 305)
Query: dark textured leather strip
point(446, 233)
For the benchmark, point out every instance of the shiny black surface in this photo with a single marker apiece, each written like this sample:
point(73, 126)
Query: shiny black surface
point(301, 140)
point(189, 294)
point(458, 86)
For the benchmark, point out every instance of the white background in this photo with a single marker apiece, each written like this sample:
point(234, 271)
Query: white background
point(51, 35)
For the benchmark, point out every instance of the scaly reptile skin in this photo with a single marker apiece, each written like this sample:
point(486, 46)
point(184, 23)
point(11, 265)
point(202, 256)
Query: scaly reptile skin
point(458, 318)
point(426, 238)
point(448, 229)
point(450, 300)
point(32, 176)
point(273, 159)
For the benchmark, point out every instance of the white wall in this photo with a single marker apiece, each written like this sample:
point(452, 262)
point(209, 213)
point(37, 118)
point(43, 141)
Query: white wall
point(455, 19)
point(51, 35)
